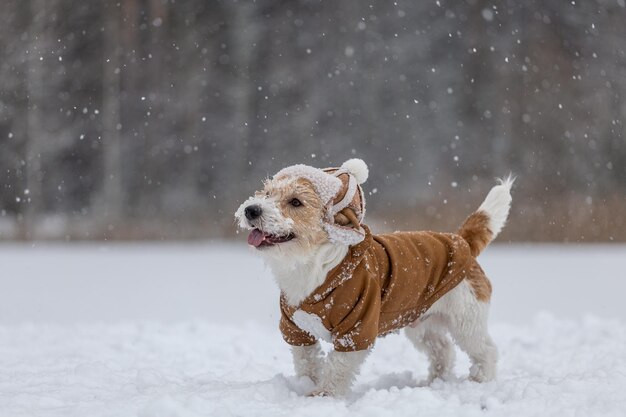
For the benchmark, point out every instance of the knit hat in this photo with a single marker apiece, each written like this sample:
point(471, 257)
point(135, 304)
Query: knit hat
point(340, 190)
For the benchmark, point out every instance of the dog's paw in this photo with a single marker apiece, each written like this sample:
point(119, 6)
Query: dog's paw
point(319, 393)
point(482, 373)
point(423, 383)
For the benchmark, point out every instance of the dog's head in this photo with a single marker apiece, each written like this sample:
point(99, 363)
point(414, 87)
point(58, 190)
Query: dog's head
point(301, 208)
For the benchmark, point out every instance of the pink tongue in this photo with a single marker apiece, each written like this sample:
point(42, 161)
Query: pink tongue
point(256, 237)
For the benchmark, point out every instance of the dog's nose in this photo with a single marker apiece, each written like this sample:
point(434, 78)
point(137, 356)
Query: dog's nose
point(253, 212)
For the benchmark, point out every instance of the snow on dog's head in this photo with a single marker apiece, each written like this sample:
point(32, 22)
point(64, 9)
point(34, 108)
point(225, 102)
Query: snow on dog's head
point(303, 207)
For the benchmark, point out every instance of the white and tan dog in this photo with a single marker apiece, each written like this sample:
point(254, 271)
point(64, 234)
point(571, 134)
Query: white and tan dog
point(340, 283)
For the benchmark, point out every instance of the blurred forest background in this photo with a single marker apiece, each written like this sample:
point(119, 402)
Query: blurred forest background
point(154, 119)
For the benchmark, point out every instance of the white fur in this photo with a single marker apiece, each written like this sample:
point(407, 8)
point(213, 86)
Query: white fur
point(298, 276)
point(358, 168)
point(497, 205)
point(430, 337)
point(339, 372)
point(308, 360)
point(465, 317)
point(271, 221)
point(311, 324)
point(332, 375)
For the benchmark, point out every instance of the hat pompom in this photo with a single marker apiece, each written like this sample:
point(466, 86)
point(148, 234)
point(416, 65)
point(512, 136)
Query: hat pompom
point(358, 168)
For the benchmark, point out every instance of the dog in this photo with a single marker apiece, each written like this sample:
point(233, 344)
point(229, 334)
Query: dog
point(342, 284)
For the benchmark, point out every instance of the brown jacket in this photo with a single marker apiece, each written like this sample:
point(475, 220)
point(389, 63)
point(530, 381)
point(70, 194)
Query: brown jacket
point(383, 284)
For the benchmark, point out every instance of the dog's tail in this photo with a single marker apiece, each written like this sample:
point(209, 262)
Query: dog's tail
point(482, 226)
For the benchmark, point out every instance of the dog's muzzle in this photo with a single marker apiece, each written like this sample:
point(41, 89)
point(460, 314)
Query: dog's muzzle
point(267, 225)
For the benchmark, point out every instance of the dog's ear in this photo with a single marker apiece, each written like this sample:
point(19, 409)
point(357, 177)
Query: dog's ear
point(346, 217)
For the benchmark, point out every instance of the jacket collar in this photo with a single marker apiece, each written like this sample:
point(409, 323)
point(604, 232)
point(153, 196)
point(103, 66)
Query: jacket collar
point(342, 272)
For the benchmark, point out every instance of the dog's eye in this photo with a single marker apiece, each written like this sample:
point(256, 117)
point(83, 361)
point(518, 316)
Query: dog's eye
point(295, 202)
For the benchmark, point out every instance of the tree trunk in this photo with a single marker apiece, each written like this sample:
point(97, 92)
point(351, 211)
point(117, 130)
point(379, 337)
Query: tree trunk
point(111, 202)
point(35, 133)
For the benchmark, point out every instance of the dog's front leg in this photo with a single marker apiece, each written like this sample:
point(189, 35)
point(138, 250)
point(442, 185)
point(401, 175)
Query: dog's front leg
point(340, 370)
point(308, 360)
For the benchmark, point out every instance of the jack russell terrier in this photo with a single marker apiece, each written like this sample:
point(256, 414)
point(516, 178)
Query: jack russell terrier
point(344, 285)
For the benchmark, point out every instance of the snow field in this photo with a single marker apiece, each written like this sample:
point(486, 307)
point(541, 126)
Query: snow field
point(551, 367)
point(191, 330)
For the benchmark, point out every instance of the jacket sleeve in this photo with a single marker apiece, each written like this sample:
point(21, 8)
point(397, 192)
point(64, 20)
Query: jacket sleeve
point(292, 334)
point(358, 329)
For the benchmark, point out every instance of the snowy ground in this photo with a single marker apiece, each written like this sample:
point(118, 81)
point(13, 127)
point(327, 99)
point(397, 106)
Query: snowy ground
point(190, 330)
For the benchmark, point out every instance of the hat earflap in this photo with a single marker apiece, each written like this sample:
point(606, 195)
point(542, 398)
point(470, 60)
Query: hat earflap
point(346, 217)
point(345, 235)
point(344, 223)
